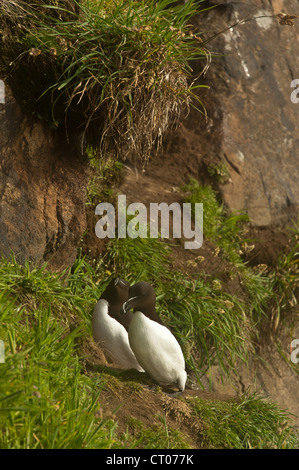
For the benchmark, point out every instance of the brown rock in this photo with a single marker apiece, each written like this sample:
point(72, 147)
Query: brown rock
point(257, 135)
point(42, 190)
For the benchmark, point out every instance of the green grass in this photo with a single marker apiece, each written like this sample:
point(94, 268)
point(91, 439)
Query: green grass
point(158, 436)
point(284, 281)
point(104, 175)
point(228, 232)
point(249, 422)
point(119, 69)
point(47, 400)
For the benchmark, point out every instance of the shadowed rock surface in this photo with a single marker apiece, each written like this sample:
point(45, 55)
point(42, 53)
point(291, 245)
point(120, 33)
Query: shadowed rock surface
point(42, 191)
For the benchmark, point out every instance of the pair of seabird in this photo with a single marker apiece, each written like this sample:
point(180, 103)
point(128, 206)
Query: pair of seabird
point(137, 340)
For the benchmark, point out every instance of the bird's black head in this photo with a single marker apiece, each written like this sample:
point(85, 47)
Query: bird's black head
point(116, 293)
point(142, 297)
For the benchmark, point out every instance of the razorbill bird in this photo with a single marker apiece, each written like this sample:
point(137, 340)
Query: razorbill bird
point(109, 329)
point(155, 347)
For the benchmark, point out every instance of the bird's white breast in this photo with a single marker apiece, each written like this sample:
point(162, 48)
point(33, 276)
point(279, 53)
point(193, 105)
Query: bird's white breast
point(112, 337)
point(157, 350)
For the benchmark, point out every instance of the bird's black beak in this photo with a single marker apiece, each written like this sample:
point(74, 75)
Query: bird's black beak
point(121, 283)
point(129, 304)
point(123, 309)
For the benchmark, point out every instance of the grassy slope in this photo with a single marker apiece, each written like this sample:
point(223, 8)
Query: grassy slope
point(55, 394)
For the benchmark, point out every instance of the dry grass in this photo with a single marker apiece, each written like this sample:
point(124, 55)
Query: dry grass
point(115, 73)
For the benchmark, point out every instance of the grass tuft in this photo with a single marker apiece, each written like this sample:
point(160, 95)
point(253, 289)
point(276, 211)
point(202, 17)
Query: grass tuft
point(249, 422)
point(118, 72)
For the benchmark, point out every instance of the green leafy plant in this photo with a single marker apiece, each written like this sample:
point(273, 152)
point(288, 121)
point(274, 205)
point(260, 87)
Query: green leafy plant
point(219, 172)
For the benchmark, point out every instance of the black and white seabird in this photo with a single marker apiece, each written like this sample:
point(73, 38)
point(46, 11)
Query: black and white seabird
point(110, 329)
point(155, 347)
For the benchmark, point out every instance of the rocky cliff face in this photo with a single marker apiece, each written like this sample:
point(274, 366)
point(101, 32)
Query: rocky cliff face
point(252, 127)
point(253, 120)
point(42, 191)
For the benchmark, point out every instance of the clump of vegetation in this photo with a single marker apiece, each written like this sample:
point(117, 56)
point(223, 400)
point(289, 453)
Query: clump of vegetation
point(284, 281)
point(227, 231)
point(249, 422)
point(219, 172)
point(45, 400)
point(158, 436)
point(117, 71)
point(104, 176)
point(272, 292)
